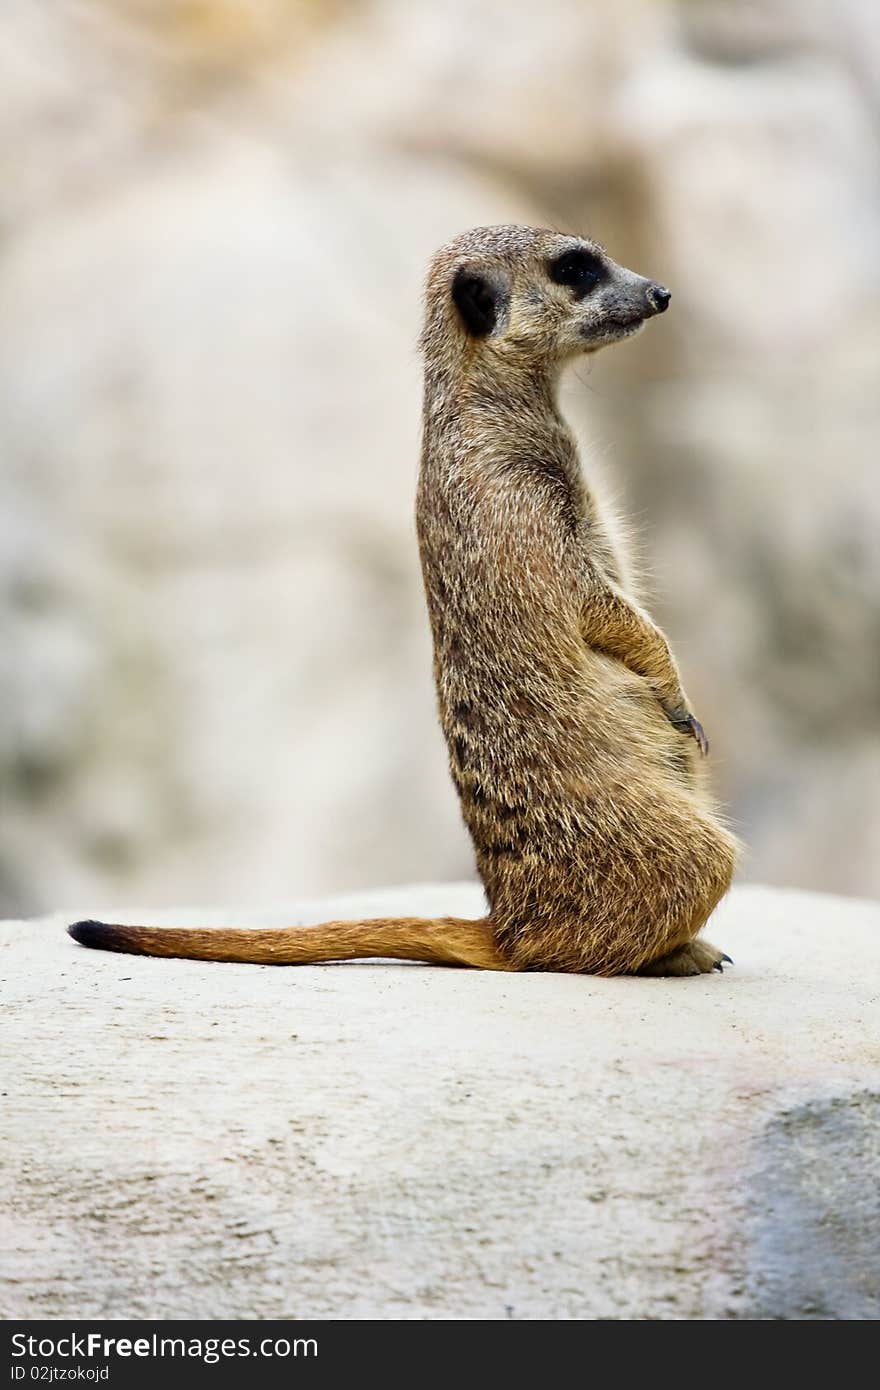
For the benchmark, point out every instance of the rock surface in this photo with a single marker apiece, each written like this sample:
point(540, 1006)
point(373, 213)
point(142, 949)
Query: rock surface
point(398, 1141)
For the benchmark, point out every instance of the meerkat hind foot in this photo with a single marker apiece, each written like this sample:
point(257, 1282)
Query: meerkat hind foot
point(694, 958)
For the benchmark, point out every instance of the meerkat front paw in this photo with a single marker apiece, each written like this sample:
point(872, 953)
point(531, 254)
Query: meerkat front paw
point(694, 958)
point(688, 724)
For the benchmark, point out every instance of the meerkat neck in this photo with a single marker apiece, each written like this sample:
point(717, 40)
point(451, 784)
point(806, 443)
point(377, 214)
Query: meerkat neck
point(469, 412)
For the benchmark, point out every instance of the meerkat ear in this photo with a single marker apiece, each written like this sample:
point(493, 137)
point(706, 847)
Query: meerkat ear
point(479, 298)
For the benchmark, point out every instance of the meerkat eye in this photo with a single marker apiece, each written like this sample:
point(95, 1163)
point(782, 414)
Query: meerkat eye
point(579, 269)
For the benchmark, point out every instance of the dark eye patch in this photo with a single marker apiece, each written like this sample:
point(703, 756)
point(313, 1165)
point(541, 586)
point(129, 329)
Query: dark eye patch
point(580, 270)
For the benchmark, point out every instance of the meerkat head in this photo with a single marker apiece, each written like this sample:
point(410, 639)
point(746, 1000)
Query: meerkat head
point(506, 293)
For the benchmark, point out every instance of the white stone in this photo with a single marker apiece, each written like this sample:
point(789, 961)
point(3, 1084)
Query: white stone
point(382, 1140)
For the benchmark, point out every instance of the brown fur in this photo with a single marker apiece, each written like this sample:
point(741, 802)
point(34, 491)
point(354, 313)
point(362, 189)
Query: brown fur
point(571, 741)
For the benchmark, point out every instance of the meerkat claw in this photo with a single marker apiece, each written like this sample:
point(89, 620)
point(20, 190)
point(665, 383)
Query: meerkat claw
point(729, 959)
point(691, 727)
point(696, 730)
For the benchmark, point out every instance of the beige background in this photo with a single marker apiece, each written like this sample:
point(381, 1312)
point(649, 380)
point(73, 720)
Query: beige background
point(214, 219)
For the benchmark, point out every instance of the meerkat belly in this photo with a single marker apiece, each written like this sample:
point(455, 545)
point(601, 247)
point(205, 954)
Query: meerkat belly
point(551, 744)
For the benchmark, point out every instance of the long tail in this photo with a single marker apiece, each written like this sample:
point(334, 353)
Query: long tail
point(440, 941)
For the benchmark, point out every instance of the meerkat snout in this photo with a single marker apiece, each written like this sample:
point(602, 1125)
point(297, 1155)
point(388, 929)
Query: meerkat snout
point(658, 297)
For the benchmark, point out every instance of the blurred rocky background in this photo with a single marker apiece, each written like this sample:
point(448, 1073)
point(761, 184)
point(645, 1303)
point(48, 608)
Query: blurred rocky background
point(214, 219)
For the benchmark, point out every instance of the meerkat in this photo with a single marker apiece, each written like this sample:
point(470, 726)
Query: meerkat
point(572, 744)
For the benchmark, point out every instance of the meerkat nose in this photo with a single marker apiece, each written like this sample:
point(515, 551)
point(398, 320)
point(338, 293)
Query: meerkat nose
point(658, 297)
